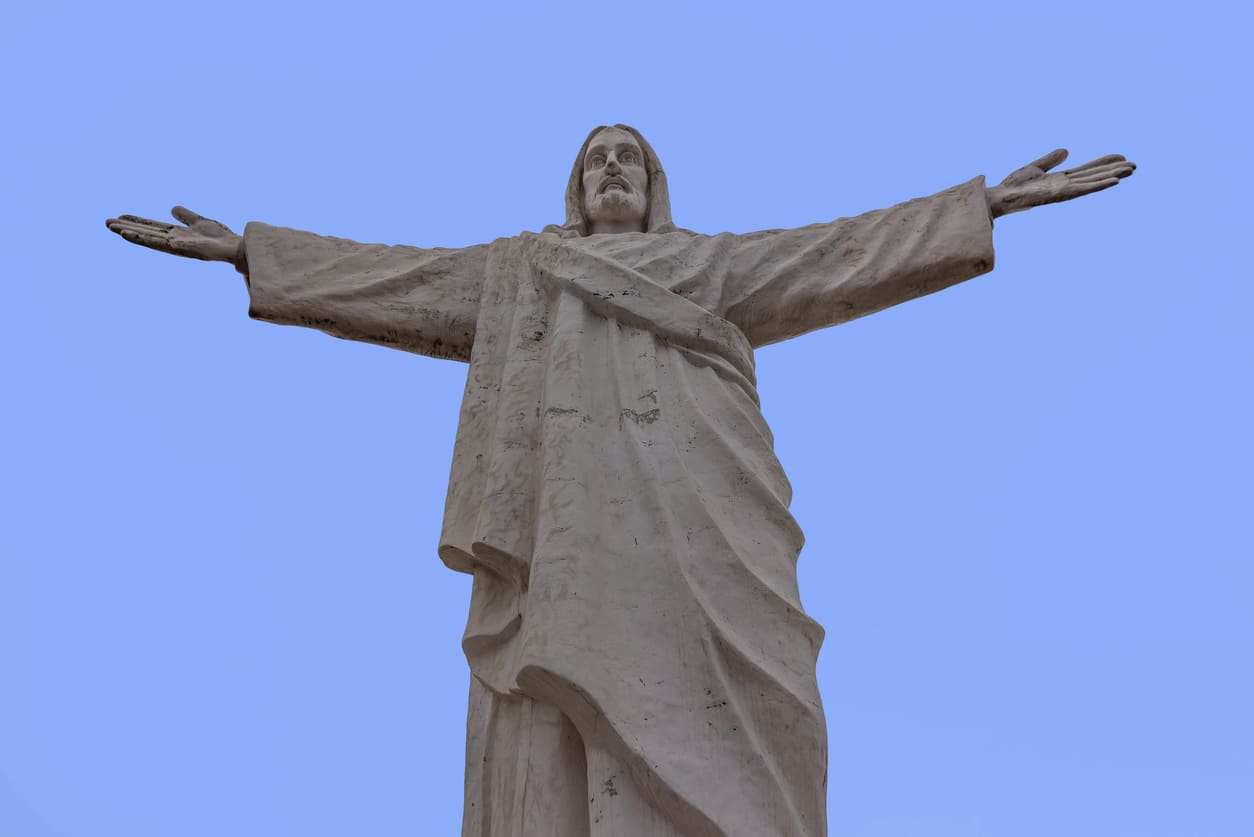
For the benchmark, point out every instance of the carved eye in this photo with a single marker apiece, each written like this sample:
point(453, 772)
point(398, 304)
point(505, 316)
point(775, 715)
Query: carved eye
point(629, 157)
point(596, 160)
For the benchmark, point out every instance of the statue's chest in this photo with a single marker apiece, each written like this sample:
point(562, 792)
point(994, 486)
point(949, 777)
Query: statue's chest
point(666, 260)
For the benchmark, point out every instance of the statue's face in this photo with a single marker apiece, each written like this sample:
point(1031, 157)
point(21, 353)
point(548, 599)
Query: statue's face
point(615, 183)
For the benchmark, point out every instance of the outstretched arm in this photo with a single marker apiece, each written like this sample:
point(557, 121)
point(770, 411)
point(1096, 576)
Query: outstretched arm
point(781, 283)
point(421, 300)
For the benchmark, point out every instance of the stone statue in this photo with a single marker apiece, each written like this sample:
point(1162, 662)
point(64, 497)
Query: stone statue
point(641, 663)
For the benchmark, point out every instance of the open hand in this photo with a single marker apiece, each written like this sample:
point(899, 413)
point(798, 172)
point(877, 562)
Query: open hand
point(201, 238)
point(1033, 185)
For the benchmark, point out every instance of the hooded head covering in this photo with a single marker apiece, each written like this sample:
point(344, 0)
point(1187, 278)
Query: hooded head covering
point(657, 213)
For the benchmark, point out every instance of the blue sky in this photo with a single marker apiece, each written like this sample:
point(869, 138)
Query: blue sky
point(1027, 498)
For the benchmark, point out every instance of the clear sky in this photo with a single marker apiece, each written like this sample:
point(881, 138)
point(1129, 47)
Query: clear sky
point(1027, 499)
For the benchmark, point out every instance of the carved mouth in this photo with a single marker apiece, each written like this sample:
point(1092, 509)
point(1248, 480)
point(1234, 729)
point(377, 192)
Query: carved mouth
point(611, 183)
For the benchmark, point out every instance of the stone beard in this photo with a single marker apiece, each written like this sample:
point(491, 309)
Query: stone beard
point(613, 206)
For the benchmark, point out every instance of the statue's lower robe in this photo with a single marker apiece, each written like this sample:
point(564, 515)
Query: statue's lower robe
point(615, 494)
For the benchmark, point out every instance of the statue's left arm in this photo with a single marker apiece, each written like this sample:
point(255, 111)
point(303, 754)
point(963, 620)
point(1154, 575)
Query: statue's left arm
point(782, 283)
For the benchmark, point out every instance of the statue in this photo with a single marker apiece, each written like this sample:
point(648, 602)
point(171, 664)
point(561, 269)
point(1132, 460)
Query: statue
point(641, 663)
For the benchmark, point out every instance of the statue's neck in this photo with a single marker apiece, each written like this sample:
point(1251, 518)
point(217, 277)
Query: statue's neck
point(614, 226)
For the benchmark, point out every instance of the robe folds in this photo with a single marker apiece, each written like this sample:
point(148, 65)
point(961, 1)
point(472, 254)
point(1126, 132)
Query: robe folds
point(614, 490)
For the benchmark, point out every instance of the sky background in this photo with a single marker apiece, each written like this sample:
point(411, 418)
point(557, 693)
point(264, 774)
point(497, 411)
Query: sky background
point(1028, 498)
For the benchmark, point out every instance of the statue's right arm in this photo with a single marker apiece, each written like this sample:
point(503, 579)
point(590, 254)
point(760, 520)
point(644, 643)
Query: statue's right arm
point(420, 300)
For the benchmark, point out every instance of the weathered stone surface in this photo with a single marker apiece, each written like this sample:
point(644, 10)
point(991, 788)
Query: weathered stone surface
point(641, 663)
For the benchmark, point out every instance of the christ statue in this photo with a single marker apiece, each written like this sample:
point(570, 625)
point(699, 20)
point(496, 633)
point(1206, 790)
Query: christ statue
point(640, 661)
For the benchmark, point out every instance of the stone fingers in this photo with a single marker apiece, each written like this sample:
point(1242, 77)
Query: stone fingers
point(143, 237)
point(168, 238)
point(1100, 161)
point(1088, 187)
point(1085, 174)
point(123, 226)
point(148, 223)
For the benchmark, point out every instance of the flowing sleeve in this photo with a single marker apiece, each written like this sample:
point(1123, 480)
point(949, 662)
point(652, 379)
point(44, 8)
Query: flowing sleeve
point(421, 300)
point(782, 283)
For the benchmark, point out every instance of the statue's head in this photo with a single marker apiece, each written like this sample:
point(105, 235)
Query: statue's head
point(617, 185)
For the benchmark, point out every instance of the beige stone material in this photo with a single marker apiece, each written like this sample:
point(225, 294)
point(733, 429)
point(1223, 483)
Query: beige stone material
point(641, 663)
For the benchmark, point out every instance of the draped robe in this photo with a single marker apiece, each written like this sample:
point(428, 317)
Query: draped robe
point(614, 490)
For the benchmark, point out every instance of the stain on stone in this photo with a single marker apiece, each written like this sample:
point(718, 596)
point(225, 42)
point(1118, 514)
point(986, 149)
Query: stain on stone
point(638, 416)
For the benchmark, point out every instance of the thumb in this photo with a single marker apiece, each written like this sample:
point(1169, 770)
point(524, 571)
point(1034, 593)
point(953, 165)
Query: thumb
point(1036, 168)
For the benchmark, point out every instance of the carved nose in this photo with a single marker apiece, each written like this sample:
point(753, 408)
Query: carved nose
point(611, 165)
